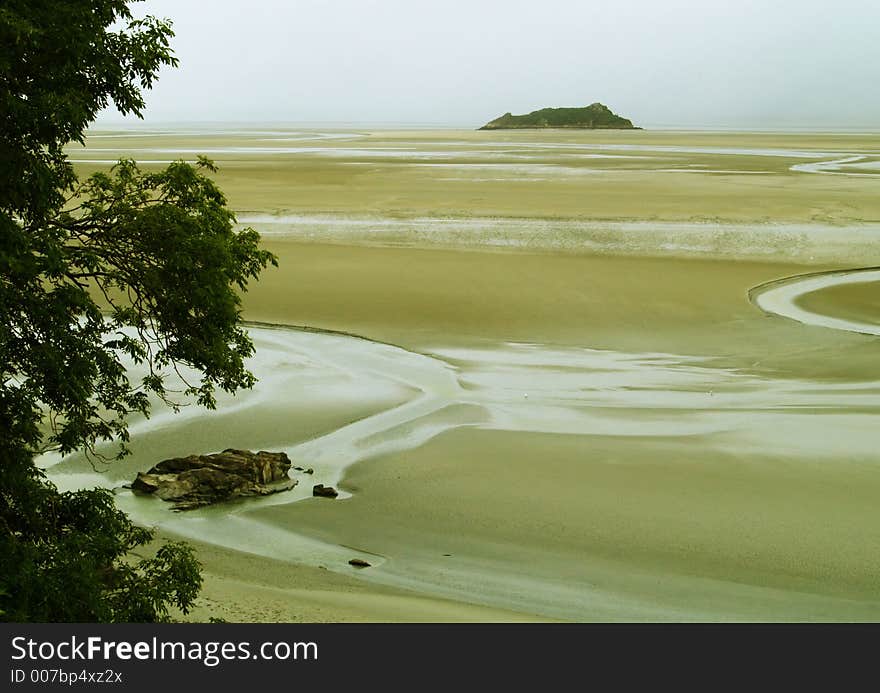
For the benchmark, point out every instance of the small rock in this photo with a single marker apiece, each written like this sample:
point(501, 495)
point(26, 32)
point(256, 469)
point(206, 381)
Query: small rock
point(324, 491)
point(359, 563)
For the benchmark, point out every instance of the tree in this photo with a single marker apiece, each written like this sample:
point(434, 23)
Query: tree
point(127, 266)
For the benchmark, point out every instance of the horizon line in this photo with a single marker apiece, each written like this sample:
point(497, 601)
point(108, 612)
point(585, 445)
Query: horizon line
point(135, 124)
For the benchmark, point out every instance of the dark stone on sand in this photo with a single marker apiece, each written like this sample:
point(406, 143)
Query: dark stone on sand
point(199, 480)
point(324, 491)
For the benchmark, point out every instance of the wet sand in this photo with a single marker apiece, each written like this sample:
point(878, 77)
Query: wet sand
point(841, 300)
point(425, 298)
point(615, 528)
point(587, 435)
point(244, 587)
point(858, 302)
point(728, 177)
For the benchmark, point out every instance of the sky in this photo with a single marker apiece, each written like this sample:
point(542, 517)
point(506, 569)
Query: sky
point(661, 63)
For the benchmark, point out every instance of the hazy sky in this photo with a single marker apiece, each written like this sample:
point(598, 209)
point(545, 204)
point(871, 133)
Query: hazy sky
point(734, 63)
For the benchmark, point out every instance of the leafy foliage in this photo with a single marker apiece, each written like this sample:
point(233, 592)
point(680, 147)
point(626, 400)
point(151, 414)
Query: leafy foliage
point(126, 266)
point(71, 563)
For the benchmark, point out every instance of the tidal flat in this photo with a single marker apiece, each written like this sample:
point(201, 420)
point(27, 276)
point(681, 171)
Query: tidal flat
point(531, 363)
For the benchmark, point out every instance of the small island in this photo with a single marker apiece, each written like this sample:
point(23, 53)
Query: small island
point(596, 116)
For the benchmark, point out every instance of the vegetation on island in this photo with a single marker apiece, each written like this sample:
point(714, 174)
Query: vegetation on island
point(161, 253)
point(596, 116)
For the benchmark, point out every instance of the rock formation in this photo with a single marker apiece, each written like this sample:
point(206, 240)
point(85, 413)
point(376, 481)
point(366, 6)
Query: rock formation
point(198, 480)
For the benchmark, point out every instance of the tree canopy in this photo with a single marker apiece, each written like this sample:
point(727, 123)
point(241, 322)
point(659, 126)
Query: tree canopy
point(128, 266)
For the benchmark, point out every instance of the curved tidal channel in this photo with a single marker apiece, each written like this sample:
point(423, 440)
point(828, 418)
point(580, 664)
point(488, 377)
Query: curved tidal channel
point(782, 297)
point(332, 401)
point(590, 420)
